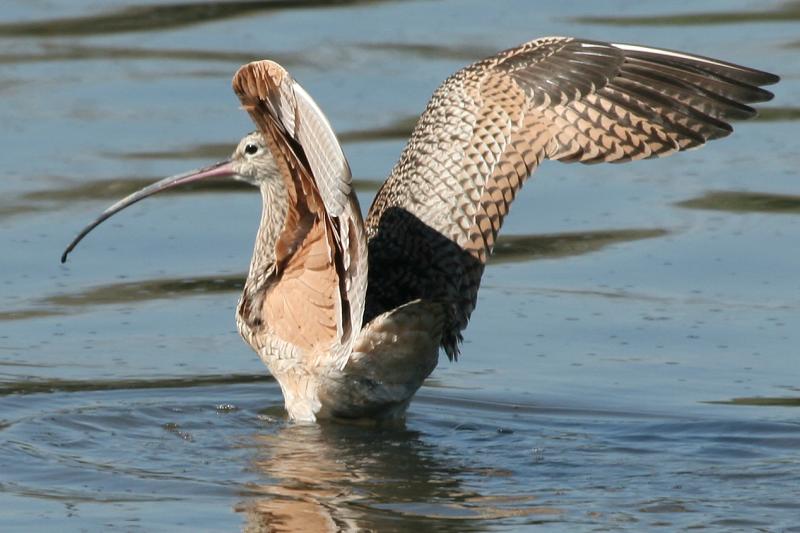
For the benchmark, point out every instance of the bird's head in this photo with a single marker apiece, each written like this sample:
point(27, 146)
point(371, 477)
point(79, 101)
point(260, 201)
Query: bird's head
point(251, 162)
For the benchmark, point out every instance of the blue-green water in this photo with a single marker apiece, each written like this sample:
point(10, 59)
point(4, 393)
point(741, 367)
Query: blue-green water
point(633, 361)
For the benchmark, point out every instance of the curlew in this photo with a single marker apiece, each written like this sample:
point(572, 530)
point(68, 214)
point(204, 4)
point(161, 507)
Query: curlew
point(349, 314)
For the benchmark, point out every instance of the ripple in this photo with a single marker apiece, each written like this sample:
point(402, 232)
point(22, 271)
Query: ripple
point(744, 202)
point(761, 401)
point(398, 129)
point(151, 18)
point(49, 52)
point(63, 385)
point(62, 195)
point(778, 114)
point(139, 442)
point(462, 52)
point(509, 248)
point(514, 248)
point(781, 12)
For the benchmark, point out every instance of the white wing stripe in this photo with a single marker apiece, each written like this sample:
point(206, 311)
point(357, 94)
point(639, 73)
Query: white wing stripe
point(670, 53)
point(324, 154)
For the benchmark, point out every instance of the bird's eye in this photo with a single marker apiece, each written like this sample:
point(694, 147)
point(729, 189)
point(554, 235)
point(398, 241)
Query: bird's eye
point(250, 149)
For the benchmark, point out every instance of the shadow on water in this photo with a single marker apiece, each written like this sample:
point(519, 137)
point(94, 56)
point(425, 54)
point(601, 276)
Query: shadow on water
point(342, 478)
point(48, 52)
point(777, 114)
point(65, 192)
point(515, 248)
point(465, 53)
point(111, 189)
point(760, 401)
point(510, 248)
point(399, 129)
point(781, 12)
point(40, 386)
point(744, 202)
point(120, 293)
point(150, 18)
point(209, 151)
point(68, 52)
point(64, 196)
point(149, 290)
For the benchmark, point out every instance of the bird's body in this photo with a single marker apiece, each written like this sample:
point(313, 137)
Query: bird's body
point(349, 315)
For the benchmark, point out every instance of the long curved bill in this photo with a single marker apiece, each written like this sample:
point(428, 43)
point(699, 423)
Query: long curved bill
point(217, 170)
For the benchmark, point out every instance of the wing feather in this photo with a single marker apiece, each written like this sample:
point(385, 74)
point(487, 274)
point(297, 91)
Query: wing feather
point(315, 298)
point(324, 153)
point(435, 220)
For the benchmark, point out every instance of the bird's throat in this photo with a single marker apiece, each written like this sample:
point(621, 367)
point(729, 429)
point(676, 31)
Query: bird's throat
point(273, 216)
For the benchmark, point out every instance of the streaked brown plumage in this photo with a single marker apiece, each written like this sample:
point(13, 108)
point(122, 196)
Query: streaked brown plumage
point(348, 314)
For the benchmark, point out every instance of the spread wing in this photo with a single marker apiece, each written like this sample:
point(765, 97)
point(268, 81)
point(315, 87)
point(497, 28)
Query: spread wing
point(435, 220)
point(315, 299)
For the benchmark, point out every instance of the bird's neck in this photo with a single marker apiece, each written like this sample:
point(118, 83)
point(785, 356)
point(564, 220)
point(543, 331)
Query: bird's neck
point(273, 216)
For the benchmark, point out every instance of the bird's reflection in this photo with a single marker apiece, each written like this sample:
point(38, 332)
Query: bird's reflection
point(336, 477)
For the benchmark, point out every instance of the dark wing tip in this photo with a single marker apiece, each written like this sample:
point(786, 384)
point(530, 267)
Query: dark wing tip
point(766, 78)
point(709, 65)
point(753, 76)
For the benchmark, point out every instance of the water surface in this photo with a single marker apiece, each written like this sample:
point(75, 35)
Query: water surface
point(632, 362)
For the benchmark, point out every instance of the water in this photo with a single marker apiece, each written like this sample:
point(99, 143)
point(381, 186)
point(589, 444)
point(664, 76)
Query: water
point(632, 363)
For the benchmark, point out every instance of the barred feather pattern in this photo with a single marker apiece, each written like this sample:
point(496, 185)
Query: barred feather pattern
point(435, 220)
